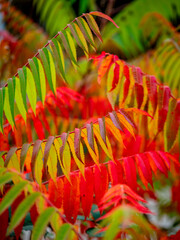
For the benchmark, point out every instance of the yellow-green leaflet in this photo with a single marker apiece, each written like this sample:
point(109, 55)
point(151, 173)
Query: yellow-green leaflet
point(31, 89)
point(19, 99)
point(7, 108)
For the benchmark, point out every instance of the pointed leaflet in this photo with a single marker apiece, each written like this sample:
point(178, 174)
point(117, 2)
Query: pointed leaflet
point(11, 195)
point(80, 39)
point(41, 223)
point(127, 124)
point(37, 162)
point(93, 25)
point(104, 67)
point(71, 198)
point(152, 90)
point(137, 74)
point(127, 82)
point(58, 53)
point(11, 160)
point(49, 67)
point(130, 172)
point(39, 77)
point(5, 178)
point(153, 156)
point(101, 141)
point(55, 192)
point(19, 99)
point(77, 144)
point(79, 162)
point(116, 172)
point(100, 182)
point(2, 95)
point(49, 143)
point(11, 92)
point(23, 155)
point(87, 191)
point(65, 232)
point(94, 154)
point(7, 108)
point(115, 120)
point(115, 76)
point(23, 86)
point(99, 14)
point(172, 123)
point(86, 31)
point(68, 43)
point(163, 103)
point(102, 128)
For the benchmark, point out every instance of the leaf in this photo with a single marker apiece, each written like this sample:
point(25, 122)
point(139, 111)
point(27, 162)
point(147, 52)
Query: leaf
point(39, 77)
point(115, 120)
point(99, 14)
point(71, 198)
point(93, 25)
point(36, 162)
point(2, 95)
point(68, 43)
point(10, 153)
point(31, 88)
point(87, 191)
point(163, 103)
point(49, 67)
point(130, 173)
point(49, 143)
point(23, 85)
point(152, 90)
point(55, 191)
point(80, 39)
point(19, 99)
point(100, 182)
point(86, 31)
point(104, 67)
point(41, 223)
point(115, 76)
point(11, 195)
point(58, 56)
point(64, 232)
point(7, 109)
point(23, 155)
point(5, 178)
point(11, 92)
point(22, 210)
point(78, 161)
point(116, 172)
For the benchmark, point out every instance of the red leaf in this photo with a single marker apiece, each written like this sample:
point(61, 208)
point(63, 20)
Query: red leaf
point(15, 204)
point(104, 67)
point(116, 76)
point(152, 90)
point(159, 162)
point(115, 172)
point(71, 198)
point(127, 81)
point(163, 103)
point(130, 172)
point(55, 192)
point(87, 191)
point(38, 127)
point(100, 182)
point(137, 73)
point(96, 13)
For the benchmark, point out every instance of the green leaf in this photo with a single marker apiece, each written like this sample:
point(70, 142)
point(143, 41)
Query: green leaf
point(64, 232)
point(7, 109)
point(31, 88)
point(22, 210)
point(11, 195)
point(93, 25)
point(11, 91)
point(5, 178)
point(23, 85)
point(49, 67)
point(24, 151)
point(19, 99)
point(59, 56)
point(9, 155)
point(36, 162)
point(80, 39)
point(39, 77)
point(86, 31)
point(68, 43)
point(41, 223)
point(2, 96)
